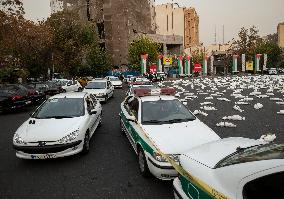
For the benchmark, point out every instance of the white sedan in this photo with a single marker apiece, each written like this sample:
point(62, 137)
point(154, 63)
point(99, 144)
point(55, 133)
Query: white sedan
point(116, 82)
point(101, 88)
point(235, 168)
point(62, 126)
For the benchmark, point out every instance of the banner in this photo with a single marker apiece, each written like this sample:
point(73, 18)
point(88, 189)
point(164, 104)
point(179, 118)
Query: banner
point(205, 65)
point(257, 61)
point(144, 63)
point(159, 63)
point(212, 65)
point(235, 64)
point(180, 66)
point(243, 63)
point(265, 62)
point(187, 65)
point(168, 61)
point(249, 65)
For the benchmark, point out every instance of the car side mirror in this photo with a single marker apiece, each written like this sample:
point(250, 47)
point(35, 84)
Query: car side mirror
point(92, 112)
point(68, 84)
point(131, 118)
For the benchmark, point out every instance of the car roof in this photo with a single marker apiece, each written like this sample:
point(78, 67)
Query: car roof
point(157, 97)
point(211, 153)
point(70, 95)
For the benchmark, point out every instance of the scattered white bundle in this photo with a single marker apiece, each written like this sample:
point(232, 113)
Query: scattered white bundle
point(203, 93)
point(224, 99)
point(281, 112)
point(276, 99)
point(208, 98)
point(255, 93)
point(262, 96)
point(197, 112)
point(191, 96)
point(280, 103)
point(185, 103)
point(258, 106)
point(237, 108)
point(206, 103)
point(226, 124)
point(270, 94)
point(242, 103)
point(234, 117)
point(267, 138)
point(183, 100)
point(246, 99)
point(177, 95)
point(239, 96)
point(208, 108)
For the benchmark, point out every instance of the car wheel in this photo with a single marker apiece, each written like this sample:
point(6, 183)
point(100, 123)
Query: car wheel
point(143, 166)
point(80, 89)
point(86, 146)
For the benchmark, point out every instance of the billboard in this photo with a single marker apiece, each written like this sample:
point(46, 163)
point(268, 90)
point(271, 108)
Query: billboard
point(168, 60)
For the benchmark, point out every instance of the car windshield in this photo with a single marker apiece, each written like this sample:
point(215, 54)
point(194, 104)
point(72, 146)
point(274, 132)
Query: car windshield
point(165, 111)
point(114, 79)
point(96, 85)
point(60, 108)
point(255, 153)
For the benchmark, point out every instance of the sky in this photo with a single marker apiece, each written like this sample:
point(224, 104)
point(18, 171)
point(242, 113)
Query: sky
point(233, 14)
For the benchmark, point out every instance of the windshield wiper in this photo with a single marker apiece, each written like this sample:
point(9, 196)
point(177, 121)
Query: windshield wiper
point(56, 117)
point(180, 120)
point(153, 121)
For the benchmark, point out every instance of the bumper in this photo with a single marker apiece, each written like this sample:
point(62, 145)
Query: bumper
point(178, 192)
point(101, 98)
point(161, 170)
point(49, 151)
point(117, 86)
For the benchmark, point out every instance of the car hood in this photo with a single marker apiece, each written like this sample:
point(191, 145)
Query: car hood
point(95, 91)
point(210, 154)
point(49, 129)
point(179, 137)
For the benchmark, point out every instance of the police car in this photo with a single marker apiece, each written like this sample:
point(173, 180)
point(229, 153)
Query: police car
point(139, 85)
point(101, 88)
point(156, 122)
point(62, 126)
point(235, 168)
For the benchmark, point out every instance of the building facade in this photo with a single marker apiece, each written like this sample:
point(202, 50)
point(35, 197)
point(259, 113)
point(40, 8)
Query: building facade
point(280, 32)
point(171, 19)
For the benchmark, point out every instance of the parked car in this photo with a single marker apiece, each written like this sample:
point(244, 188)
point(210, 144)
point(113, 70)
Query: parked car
point(62, 126)
point(139, 85)
point(116, 82)
point(13, 96)
point(54, 87)
point(156, 116)
point(237, 168)
point(71, 86)
point(272, 71)
point(36, 95)
point(101, 88)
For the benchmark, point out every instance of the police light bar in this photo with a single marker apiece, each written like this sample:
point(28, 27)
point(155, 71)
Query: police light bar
point(141, 92)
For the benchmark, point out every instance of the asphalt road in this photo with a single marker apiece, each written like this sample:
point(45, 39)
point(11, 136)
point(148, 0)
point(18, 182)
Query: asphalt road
point(110, 170)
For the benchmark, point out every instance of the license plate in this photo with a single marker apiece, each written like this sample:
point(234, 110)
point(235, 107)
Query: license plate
point(43, 156)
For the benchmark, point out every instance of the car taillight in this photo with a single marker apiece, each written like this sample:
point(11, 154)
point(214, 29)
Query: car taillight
point(17, 97)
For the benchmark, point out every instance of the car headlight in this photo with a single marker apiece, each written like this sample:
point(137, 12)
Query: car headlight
point(18, 139)
point(160, 158)
point(69, 137)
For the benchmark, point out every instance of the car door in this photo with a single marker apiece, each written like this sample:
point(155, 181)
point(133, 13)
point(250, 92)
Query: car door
point(109, 89)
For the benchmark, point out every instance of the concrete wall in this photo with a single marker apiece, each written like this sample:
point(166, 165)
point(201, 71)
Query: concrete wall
point(280, 31)
point(191, 35)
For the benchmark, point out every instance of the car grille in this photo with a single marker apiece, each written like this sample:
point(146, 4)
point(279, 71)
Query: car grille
point(47, 148)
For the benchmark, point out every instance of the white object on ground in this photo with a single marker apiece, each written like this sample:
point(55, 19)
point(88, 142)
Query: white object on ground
point(197, 112)
point(280, 103)
point(237, 108)
point(267, 138)
point(258, 106)
point(234, 117)
point(226, 124)
point(276, 99)
point(206, 103)
point(209, 108)
point(224, 99)
point(208, 98)
point(281, 112)
point(242, 103)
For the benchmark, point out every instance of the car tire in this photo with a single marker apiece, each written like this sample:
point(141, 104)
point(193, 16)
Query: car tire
point(86, 146)
point(143, 166)
point(80, 89)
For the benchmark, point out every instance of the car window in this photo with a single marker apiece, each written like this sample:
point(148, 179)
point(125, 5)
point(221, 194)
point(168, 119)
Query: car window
point(90, 105)
point(60, 108)
point(165, 111)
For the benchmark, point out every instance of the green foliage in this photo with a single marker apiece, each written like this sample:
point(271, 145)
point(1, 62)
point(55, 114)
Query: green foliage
point(142, 45)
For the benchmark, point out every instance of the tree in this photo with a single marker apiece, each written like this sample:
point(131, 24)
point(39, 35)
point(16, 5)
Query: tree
point(142, 45)
point(272, 50)
point(12, 7)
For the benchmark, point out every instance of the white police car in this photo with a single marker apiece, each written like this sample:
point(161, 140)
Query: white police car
point(62, 126)
point(101, 88)
point(154, 119)
point(235, 168)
